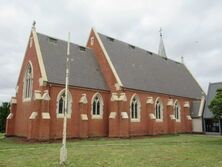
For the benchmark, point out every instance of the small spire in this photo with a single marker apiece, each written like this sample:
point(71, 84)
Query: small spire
point(161, 34)
point(33, 25)
point(161, 51)
point(182, 59)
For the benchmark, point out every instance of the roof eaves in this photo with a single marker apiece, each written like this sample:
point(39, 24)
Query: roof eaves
point(39, 56)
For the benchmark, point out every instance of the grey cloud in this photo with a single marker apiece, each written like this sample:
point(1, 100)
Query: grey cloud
point(192, 29)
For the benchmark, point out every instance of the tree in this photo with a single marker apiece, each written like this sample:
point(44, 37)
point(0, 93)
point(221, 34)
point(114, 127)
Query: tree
point(4, 112)
point(216, 105)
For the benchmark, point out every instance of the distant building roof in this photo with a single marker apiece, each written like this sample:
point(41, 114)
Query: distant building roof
point(84, 69)
point(142, 70)
point(210, 95)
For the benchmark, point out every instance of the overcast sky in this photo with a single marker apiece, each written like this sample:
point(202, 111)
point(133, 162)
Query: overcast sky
point(191, 28)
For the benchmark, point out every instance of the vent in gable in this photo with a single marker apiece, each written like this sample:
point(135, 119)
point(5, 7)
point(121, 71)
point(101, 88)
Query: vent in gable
point(149, 52)
point(132, 47)
point(110, 39)
point(165, 58)
point(82, 48)
point(52, 40)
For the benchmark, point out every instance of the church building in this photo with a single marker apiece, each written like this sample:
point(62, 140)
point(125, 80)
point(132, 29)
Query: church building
point(115, 90)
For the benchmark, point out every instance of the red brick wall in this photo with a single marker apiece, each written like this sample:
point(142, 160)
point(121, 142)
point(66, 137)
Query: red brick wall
point(104, 65)
point(96, 127)
point(140, 128)
point(24, 109)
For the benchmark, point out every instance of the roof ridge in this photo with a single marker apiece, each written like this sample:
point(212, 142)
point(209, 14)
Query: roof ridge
point(166, 58)
point(63, 40)
point(215, 83)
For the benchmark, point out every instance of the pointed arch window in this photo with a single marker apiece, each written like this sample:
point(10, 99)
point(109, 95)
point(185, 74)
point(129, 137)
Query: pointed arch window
point(61, 104)
point(159, 110)
point(135, 108)
point(97, 106)
point(177, 110)
point(27, 83)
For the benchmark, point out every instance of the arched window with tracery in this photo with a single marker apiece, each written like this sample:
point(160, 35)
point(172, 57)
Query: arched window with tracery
point(61, 104)
point(97, 106)
point(135, 108)
point(158, 109)
point(27, 82)
point(177, 110)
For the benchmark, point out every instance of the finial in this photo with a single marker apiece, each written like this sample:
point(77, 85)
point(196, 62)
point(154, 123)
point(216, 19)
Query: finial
point(182, 59)
point(161, 50)
point(33, 25)
point(161, 34)
point(203, 94)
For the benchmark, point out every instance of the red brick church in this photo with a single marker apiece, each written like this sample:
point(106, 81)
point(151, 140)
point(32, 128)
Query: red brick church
point(115, 90)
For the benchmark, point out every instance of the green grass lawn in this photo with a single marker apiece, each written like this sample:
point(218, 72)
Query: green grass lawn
point(164, 151)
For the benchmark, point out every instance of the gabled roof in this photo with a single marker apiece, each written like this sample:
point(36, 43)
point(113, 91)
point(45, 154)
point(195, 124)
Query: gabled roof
point(142, 70)
point(84, 69)
point(210, 95)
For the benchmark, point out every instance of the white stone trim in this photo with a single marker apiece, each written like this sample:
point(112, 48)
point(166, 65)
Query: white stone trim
point(13, 100)
point(37, 95)
point(10, 116)
point(39, 56)
point(114, 97)
point(58, 115)
point(189, 117)
point(152, 116)
point(124, 115)
point(138, 111)
point(159, 120)
point(46, 96)
point(149, 100)
point(186, 104)
point(107, 58)
point(170, 102)
point(112, 115)
point(172, 117)
point(42, 82)
point(117, 86)
point(174, 106)
point(100, 116)
point(17, 89)
point(33, 115)
point(92, 41)
point(45, 115)
point(122, 97)
point(27, 99)
point(83, 99)
point(84, 117)
point(162, 110)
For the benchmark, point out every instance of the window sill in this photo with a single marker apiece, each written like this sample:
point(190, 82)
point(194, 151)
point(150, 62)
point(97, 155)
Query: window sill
point(27, 99)
point(159, 120)
point(178, 120)
point(62, 116)
point(135, 120)
point(96, 117)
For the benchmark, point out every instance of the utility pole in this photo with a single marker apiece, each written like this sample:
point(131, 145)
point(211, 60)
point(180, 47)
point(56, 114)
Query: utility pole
point(63, 150)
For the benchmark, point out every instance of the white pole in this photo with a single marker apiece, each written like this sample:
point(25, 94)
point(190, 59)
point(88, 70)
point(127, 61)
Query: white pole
point(63, 150)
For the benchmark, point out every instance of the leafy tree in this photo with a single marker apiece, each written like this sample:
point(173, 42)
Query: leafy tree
point(216, 105)
point(4, 112)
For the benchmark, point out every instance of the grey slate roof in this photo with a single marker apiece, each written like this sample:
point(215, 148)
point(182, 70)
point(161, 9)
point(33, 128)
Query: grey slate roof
point(210, 95)
point(84, 69)
point(195, 109)
point(143, 70)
